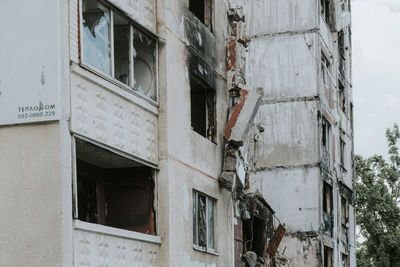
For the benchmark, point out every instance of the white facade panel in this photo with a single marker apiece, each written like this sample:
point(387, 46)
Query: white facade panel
point(110, 119)
point(30, 69)
point(104, 249)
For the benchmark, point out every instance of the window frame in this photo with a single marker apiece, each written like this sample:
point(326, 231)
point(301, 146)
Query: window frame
point(133, 24)
point(195, 242)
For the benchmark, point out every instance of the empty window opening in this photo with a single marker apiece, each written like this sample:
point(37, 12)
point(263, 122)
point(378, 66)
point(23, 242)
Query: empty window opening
point(325, 70)
point(203, 110)
point(326, 131)
point(345, 260)
point(342, 56)
point(202, 9)
point(342, 153)
point(342, 97)
point(113, 190)
point(325, 10)
point(124, 52)
point(327, 207)
point(203, 221)
point(344, 5)
point(344, 212)
point(254, 236)
point(328, 257)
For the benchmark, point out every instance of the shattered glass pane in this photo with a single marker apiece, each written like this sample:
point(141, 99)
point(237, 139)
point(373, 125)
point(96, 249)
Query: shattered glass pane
point(96, 35)
point(144, 64)
point(202, 232)
point(194, 218)
point(121, 48)
point(210, 218)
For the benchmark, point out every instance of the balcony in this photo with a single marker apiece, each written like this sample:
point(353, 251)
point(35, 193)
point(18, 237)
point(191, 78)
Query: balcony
point(97, 245)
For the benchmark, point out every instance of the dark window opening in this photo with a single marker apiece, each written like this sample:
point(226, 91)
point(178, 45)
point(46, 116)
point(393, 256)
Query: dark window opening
point(342, 152)
point(325, 10)
point(342, 97)
point(325, 69)
point(254, 236)
point(345, 260)
point(113, 190)
point(344, 212)
point(328, 259)
point(326, 128)
point(327, 207)
point(203, 110)
point(202, 9)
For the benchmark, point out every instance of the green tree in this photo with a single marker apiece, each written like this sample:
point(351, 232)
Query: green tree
point(378, 206)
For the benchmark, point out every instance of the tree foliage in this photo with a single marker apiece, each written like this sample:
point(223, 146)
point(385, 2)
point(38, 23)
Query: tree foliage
point(378, 205)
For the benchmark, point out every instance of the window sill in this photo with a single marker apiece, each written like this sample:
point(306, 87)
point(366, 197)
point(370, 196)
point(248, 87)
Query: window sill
point(201, 249)
point(114, 86)
point(101, 229)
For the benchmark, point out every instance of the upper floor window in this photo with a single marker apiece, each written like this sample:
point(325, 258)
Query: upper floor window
point(202, 9)
point(325, 10)
point(203, 221)
point(113, 45)
point(325, 69)
point(202, 108)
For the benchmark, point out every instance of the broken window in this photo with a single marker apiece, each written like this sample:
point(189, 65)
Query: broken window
point(328, 257)
point(351, 116)
point(96, 31)
point(203, 110)
point(325, 70)
point(114, 45)
point(203, 221)
point(325, 10)
point(327, 207)
point(113, 190)
point(344, 204)
point(202, 9)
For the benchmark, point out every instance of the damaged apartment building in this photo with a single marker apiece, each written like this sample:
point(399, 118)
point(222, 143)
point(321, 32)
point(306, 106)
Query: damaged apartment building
point(176, 133)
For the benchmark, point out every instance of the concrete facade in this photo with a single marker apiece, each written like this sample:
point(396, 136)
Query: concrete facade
point(74, 128)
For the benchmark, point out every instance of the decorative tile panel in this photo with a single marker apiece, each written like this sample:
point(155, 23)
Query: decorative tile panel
point(113, 120)
point(103, 250)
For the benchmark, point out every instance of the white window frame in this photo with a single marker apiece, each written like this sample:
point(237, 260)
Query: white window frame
point(110, 77)
point(208, 201)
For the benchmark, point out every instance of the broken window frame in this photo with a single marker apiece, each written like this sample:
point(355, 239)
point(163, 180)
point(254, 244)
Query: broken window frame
point(210, 201)
point(210, 98)
point(75, 209)
point(342, 97)
point(133, 26)
point(208, 13)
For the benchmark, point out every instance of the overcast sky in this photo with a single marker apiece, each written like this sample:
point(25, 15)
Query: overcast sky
point(376, 72)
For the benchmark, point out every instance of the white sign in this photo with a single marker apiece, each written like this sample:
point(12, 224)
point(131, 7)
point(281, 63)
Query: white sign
point(29, 61)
